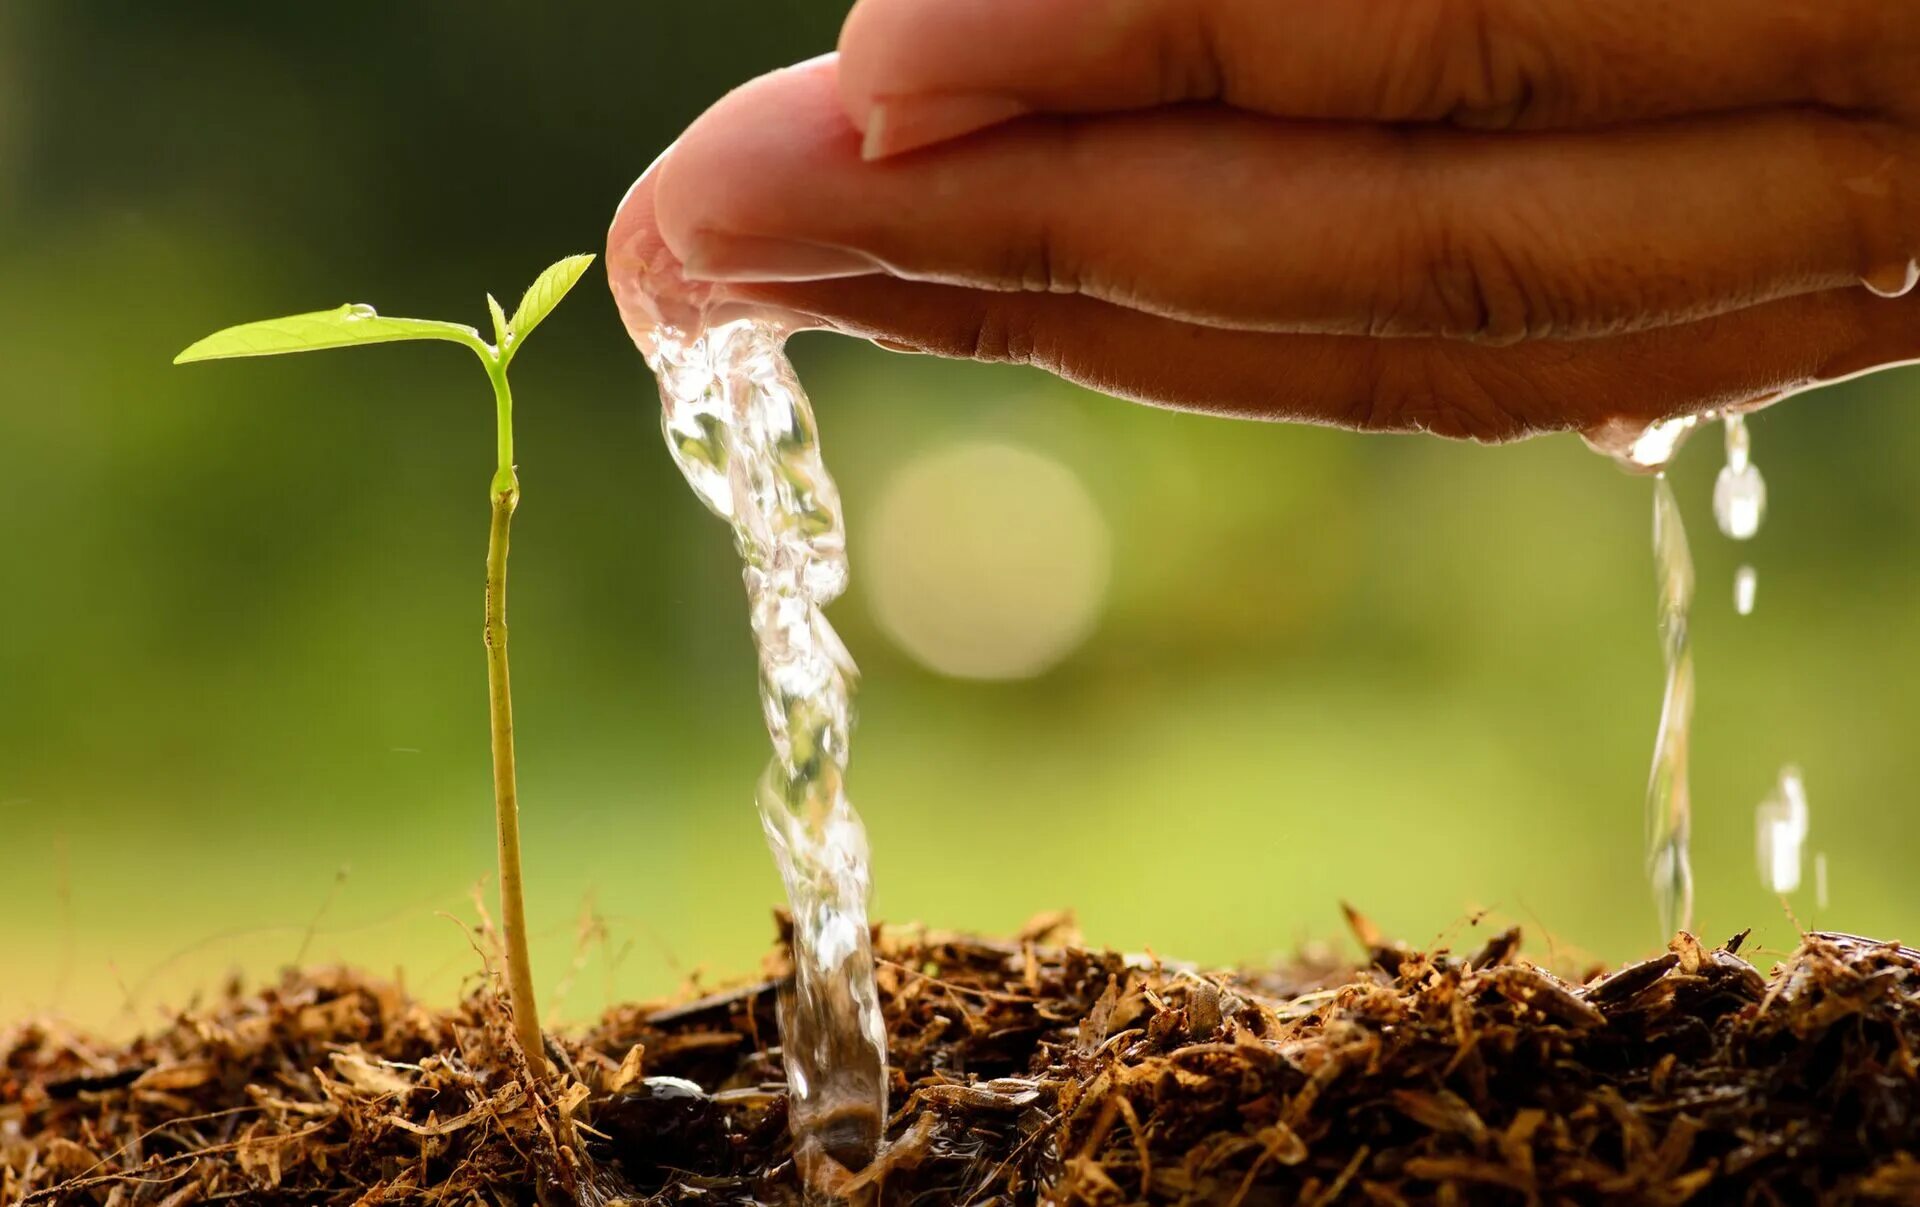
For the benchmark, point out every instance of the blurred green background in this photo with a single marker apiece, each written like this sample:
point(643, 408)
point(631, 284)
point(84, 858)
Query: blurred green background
point(242, 711)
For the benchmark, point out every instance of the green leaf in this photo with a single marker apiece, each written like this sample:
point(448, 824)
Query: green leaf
point(502, 334)
point(342, 328)
point(545, 293)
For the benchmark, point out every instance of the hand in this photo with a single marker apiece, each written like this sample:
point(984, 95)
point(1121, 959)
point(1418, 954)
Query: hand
point(1483, 218)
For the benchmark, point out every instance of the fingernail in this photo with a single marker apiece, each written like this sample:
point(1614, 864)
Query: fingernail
point(715, 257)
point(907, 123)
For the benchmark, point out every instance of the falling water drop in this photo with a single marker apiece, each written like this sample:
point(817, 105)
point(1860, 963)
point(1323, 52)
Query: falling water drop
point(1745, 582)
point(1739, 493)
point(1780, 831)
point(1739, 443)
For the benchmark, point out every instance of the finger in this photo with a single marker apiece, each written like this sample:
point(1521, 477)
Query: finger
point(649, 284)
point(1445, 387)
point(1223, 218)
point(1451, 388)
point(919, 72)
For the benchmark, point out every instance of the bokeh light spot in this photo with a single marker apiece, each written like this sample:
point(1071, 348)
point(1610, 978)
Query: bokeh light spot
point(986, 561)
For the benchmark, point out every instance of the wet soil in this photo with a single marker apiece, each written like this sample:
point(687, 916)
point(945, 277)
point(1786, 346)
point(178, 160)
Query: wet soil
point(1027, 1071)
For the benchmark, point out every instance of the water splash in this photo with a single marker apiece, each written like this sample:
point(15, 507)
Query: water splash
point(1669, 807)
point(742, 431)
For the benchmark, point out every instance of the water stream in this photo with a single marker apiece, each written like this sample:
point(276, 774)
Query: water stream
point(742, 431)
point(1739, 506)
point(1669, 805)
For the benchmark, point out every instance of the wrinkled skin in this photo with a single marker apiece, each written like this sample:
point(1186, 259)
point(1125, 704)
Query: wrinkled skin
point(1480, 218)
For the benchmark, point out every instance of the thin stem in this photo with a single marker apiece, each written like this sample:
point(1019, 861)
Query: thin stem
point(506, 798)
point(503, 477)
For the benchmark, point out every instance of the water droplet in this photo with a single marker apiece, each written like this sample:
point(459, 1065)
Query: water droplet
point(1895, 280)
point(1739, 441)
point(1745, 582)
point(1780, 830)
point(1641, 449)
point(354, 311)
point(1739, 493)
point(1739, 502)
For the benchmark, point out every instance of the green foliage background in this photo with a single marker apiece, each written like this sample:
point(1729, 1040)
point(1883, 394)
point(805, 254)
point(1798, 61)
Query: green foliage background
point(242, 699)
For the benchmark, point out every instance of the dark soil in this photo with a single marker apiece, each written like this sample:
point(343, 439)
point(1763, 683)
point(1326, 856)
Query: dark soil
point(1030, 1071)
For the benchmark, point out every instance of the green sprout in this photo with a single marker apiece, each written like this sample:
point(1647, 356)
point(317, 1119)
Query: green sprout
point(352, 325)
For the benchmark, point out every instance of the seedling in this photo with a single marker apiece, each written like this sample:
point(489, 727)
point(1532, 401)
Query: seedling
point(355, 324)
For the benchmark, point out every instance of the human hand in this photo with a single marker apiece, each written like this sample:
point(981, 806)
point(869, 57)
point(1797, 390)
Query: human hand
point(1488, 218)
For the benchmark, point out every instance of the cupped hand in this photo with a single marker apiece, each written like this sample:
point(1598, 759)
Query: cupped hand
point(1482, 218)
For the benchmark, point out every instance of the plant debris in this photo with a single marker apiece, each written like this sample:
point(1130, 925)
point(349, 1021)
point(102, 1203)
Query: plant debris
point(1028, 1071)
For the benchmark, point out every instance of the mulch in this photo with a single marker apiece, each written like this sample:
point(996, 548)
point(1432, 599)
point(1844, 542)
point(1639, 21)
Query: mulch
point(1027, 1071)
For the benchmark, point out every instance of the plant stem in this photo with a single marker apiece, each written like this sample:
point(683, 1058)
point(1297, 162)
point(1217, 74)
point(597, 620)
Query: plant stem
point(506, 797)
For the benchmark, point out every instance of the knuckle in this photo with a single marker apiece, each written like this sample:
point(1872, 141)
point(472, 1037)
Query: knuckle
point(1023, 248)
point(1415, 84)
point(1446, 392)
point(1039, 263)
point(1042, 258)
point(1191, 54)
point(1002, 335)
point(1499, 71)
point(1470, 283)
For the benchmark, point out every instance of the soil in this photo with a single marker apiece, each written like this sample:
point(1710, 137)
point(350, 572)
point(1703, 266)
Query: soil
point(1027, 1071)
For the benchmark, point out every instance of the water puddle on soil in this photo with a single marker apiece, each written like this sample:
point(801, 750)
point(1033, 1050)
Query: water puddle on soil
point(742, 431)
